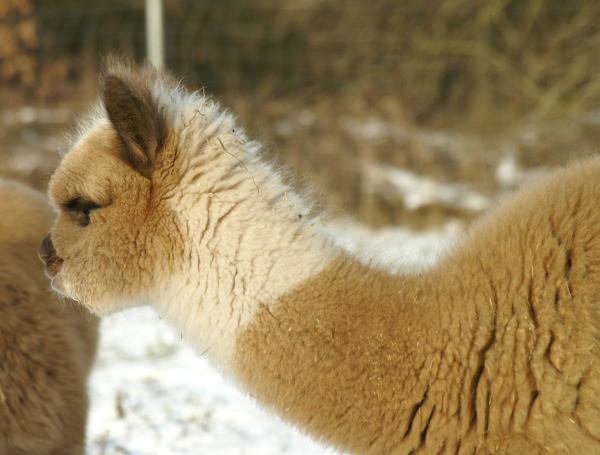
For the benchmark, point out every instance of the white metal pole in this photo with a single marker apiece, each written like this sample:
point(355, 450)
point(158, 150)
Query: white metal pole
point(154, 33)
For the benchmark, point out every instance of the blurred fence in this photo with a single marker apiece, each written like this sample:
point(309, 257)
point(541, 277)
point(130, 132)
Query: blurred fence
point(461, 57)
point(446, 90)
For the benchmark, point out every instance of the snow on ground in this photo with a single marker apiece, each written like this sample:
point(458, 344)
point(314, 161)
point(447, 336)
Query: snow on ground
point(510, 174)
point(151, 394)
point(418, 190)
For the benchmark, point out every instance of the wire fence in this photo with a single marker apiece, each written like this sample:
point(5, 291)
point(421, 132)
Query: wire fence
point(465, 57)
point(443, 88)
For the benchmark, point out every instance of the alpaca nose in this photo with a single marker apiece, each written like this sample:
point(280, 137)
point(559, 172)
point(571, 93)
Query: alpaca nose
point(46, 250)
point(48, 255)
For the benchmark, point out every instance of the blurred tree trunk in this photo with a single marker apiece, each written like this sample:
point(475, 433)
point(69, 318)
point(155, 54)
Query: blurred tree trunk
point(19, 44)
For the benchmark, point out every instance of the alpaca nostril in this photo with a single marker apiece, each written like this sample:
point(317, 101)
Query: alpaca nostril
point(47, 254)
point(46, 250)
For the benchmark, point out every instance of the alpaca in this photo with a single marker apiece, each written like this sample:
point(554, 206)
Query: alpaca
point(46, 348)
point(164, 201)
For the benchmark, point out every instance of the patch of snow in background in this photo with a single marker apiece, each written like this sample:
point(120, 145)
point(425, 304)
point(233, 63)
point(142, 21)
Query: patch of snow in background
point(377, 129)
point(510, 174)
point(372, 129)
point(419, 190)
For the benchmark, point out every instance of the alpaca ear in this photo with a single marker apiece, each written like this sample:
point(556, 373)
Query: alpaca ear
point(135, 117)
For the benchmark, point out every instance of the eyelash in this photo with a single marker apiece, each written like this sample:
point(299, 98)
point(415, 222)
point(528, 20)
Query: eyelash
point(80, 210)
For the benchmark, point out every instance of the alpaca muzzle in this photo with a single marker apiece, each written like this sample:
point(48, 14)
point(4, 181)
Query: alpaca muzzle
point(48, 255)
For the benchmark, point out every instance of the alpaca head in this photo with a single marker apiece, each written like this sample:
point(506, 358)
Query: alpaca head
point(162, 192)
point(115, 238)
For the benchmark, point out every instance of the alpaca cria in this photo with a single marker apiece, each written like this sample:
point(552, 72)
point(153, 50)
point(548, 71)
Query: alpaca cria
point(164, 201)
point(46, 347)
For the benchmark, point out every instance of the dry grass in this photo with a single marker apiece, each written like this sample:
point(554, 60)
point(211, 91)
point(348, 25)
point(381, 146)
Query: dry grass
point(447, 61)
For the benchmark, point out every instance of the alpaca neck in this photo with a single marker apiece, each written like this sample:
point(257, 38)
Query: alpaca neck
point(253, 241)
point(350, 349)
point(303, 326)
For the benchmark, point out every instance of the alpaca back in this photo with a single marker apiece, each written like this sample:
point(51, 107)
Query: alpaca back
point(46, 346)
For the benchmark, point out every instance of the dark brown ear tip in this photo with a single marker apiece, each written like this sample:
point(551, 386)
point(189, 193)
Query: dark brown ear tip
point(133, 112)
point(113, 85)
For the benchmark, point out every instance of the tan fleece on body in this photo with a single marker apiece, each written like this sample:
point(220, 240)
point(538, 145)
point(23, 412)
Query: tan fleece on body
point(46, 347)
point(494, 350)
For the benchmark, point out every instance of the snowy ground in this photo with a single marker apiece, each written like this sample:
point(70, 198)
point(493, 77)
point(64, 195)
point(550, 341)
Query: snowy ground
point(151, 394)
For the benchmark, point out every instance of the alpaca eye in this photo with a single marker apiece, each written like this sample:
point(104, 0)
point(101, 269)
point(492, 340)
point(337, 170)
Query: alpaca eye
point(80, 210)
